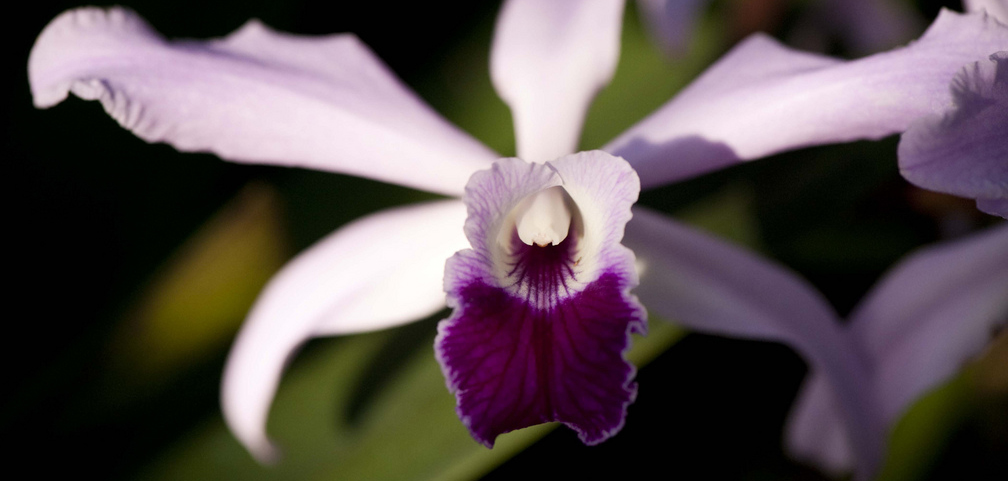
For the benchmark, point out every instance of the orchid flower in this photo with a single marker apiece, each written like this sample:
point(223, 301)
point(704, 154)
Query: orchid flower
point(539, 281)
point(928, 316)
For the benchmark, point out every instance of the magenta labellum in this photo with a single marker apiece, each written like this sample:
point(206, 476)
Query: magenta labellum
point(542, 305)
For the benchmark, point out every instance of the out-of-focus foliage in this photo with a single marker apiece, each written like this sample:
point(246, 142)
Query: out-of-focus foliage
point(936, 421)
point(190, 309)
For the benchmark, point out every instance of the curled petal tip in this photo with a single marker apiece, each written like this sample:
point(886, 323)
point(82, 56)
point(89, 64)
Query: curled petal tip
point(258, 96)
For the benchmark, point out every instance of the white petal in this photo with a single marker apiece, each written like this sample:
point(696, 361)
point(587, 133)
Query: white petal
point(710, 286)
point(380, 271)
point(548, 60)
point(257, 96)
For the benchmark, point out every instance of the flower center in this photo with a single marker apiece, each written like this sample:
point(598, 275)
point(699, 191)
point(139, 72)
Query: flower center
point(538, 257)
point(544, 218)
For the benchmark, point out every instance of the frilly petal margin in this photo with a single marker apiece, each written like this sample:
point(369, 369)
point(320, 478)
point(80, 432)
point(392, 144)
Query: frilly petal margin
point(377, 272)
point(762, 98)
point(964, 150)
point(547, 62)
point(710, 286)
point(513, 360)
point(257, 96)
point(932, 313)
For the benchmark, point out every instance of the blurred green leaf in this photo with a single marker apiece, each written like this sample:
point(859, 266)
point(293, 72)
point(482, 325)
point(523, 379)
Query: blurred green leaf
point(922, 435)
point(195, 302)
point(409, 431)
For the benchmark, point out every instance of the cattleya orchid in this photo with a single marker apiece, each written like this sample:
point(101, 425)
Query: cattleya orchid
point(538, 278)
point(928, 316)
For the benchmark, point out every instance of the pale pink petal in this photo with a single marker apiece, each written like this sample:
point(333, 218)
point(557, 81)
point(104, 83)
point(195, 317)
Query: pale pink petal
point(548, 60)
point(763, 98)
point(256, 96)
point(710, 286)
point(379, 271)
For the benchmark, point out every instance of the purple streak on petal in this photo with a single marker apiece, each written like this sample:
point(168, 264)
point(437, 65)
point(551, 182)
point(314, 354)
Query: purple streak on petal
point(340, 285)
point(670, 22)
point(763, 98)
point(256, 96)
point(964, 150)
point(547, 62)
point(538, 333)
point(713, 287)
point(933, 312)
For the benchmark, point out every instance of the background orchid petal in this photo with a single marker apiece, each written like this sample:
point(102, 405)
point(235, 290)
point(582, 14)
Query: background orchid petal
point(379, 271)
point(814, 432)
point(919, 325)
point(670, 22)
point(712, 287)
point(547, 62)
point(256, 96)
point(996, 8)
point(870, 26)
point(964, 150)
point(763, 97)
point(932, 313)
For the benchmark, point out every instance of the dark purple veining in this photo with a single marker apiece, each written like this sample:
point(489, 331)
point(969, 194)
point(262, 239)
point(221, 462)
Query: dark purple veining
point(513, 365)
point(542, 271)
